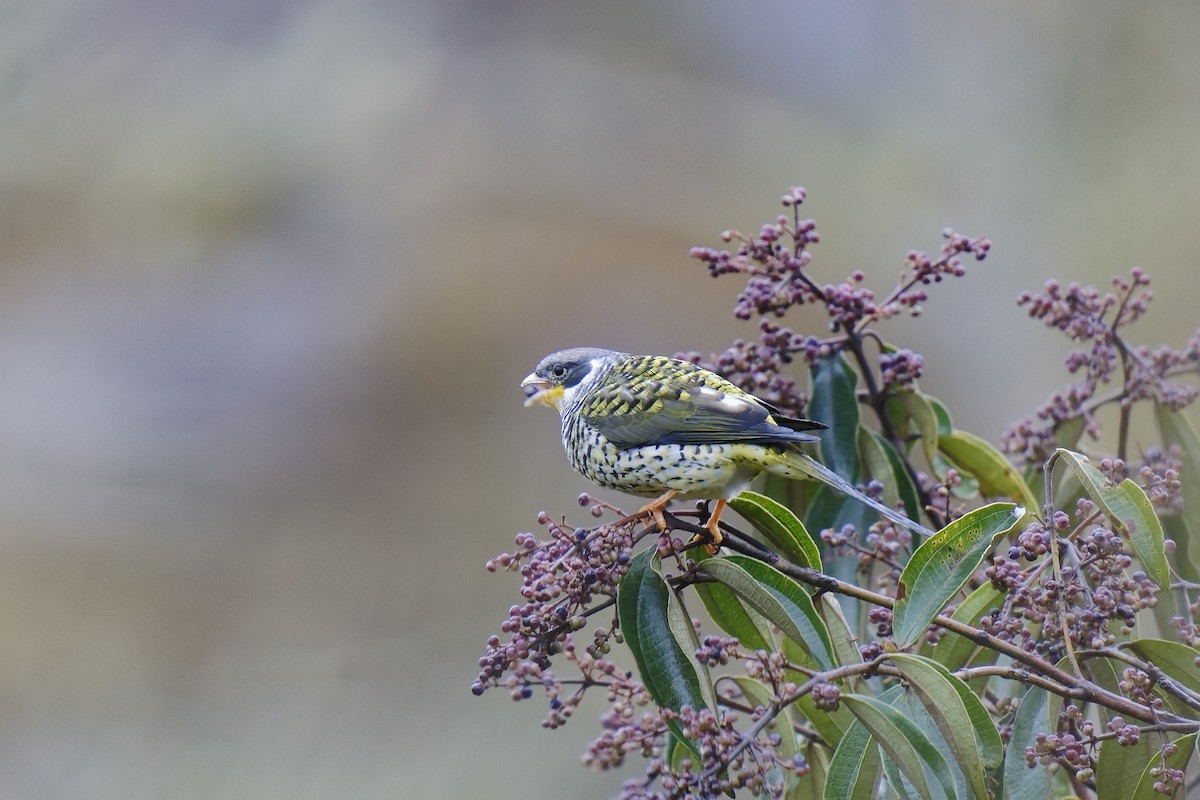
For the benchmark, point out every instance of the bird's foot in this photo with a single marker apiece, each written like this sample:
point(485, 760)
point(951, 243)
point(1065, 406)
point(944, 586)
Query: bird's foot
point(713, 526)
point(655, 509)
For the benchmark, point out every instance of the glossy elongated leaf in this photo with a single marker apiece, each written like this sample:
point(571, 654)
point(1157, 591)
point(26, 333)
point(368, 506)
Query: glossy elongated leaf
point(731, 615)
point(777, 597)
point(811, 785)
point(908, 704)
point(781, 527)
point(1184, 529)
point(1177, 760)
point(669, 673)
point(845, 645)
point(897, 474)
point(1187, 546)
point(1119, 769)
point(1103, 671)
point(675, 753)
point(1176, 659)
point(942, 565)
point(920, 411)
point(953, 651)
point(1146, 533)
point(1020, 781)
point(875, 461)
point(958, 714)
point(1130, 512)
point(945, 425)
point(996, 475)
point(968, 486)
point(902, 742)
point(1070, 432)
point(854, 768)
point(680, 623)
point(832, 401)
point(900, 788)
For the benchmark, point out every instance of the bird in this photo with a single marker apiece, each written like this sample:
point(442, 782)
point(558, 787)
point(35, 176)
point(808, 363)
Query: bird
point(661, 427)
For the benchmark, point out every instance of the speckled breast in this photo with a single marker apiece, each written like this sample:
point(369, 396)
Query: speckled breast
point(693, 470)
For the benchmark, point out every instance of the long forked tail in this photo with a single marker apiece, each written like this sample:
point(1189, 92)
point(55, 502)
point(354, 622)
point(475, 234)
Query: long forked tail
point(810, 467)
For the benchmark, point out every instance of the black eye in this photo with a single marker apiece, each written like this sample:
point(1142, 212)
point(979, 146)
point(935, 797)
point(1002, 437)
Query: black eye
point(558, 371)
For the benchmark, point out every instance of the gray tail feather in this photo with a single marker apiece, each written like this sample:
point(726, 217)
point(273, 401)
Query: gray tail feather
point(819, 471)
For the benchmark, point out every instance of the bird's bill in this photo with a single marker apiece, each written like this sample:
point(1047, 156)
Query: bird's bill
point(540, 390)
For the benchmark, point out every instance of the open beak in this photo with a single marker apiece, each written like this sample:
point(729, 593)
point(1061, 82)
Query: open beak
point(540, 390)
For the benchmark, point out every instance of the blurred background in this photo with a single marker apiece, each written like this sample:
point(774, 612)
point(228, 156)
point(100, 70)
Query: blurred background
point(273, 270)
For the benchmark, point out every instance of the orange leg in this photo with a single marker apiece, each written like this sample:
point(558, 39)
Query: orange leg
point(655, 508)
point(714, 529)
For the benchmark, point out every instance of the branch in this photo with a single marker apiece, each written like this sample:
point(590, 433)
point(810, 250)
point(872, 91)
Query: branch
point(1068, 685)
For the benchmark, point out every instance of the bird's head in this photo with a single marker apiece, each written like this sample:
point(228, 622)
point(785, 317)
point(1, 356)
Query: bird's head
point(559, 376)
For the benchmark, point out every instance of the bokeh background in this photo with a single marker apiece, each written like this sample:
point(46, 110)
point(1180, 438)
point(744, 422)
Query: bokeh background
point(272, 271)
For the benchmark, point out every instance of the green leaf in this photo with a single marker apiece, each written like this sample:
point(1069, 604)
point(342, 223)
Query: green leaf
point(1119, 769)
point(777, 597)
point(678, 750)
point(901, 788)
point(1021, 782)
point(942, 565)
point(811, 785)
point(923, 415)
point(1068, 433)
point(875, 459)
point(680, 623)
point(953, 651)
point(960, 716)
point(1177, 760)
point(911, 708)
point(996, 475)
point(906, 490)
point(902, 742)
point(731, 615)
point(669, 673)
point(1146, 533)
point(845, 646)
point(1176, 659)
point(945, 426)
point(832, 401)
point(1176, 431)
point(1187, 544)
point(781, 527)
point(968, 485)
point(854, 768)
point(1129, 510)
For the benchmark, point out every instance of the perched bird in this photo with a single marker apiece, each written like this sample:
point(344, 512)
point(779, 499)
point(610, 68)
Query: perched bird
point(658, 426)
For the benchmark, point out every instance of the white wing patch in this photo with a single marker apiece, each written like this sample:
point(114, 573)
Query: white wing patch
point(726, 402)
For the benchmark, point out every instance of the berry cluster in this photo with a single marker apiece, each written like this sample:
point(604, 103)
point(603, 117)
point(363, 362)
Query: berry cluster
point(1097, 321)
point(774, 263)
point(900, 369)
point(1094, 595)
point(562, 580)
point(714, 773)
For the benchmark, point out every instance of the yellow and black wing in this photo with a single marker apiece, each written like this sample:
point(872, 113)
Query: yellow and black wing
point(648, 400)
